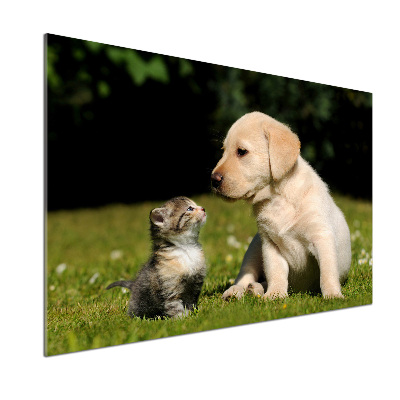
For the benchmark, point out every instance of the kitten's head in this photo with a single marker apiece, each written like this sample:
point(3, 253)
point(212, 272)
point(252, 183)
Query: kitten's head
point(179, 219)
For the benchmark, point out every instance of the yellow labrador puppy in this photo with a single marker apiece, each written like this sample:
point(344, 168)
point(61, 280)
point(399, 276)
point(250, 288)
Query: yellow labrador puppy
point(303, 241)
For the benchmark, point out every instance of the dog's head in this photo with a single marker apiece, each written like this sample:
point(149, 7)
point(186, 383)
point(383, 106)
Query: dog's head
point(257, 150)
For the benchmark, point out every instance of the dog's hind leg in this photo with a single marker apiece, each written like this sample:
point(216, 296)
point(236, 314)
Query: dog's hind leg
point(256, 289)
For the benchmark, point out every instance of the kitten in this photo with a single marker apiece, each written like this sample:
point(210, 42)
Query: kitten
point(169, 284)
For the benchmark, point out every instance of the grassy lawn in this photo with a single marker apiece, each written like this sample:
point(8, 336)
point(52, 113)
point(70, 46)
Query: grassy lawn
point(88, 249)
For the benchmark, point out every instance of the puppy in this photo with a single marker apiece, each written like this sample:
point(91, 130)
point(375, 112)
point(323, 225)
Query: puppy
point(303, 241)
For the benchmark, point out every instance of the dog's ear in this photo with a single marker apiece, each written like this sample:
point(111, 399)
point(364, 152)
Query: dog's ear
point(284, 148)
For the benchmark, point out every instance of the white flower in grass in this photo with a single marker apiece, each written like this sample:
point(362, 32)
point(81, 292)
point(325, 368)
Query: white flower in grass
point(370, 262)
point(231, 281)
point(233, 242)
point(230, 228)
point(61, 268)
point(94, 278)
point(124, 290)
point(363, 253)
point(52, 288)
point(355, 235)
point(116, 254)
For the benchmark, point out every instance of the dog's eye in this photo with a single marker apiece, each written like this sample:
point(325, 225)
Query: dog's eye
point(190, 209)
point(241, 152)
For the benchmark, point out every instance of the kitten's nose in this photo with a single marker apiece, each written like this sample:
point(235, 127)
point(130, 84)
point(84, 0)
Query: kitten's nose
point(216, 180)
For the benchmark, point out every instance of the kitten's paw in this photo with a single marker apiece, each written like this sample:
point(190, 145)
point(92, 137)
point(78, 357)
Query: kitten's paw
point(181, 315)
point(275, 294)
point(175, 309)
point(234, 291)
point(255, 289)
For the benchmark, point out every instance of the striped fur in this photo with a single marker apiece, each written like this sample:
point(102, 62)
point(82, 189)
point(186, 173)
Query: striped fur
point(169, 284)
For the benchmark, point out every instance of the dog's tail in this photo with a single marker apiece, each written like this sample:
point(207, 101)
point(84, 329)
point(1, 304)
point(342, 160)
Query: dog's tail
point(125, 284)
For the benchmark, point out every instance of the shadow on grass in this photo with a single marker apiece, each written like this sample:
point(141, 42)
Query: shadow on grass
point(210, 290)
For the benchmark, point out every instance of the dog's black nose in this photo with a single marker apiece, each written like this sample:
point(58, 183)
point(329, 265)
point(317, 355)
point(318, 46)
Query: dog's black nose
point(216, 180)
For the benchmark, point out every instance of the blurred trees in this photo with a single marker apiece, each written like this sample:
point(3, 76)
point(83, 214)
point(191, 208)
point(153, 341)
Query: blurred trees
point(127, 125)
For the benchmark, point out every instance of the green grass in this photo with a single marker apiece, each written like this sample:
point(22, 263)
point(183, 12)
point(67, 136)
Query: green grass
point(82, 315)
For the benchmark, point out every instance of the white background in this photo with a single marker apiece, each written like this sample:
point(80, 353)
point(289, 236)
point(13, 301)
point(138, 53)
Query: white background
point(341, 354)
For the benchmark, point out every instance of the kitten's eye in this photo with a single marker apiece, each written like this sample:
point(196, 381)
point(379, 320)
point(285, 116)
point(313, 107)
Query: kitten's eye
point(190, 209)
point(241, 152)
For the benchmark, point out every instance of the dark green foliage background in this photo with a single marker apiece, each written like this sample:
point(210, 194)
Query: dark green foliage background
point(111, 108)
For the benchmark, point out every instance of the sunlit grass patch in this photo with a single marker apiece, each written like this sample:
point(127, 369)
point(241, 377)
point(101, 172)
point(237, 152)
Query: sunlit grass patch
point(90, 248)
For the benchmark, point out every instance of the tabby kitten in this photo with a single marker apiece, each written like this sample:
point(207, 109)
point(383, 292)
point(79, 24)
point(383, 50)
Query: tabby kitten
point(169, 284)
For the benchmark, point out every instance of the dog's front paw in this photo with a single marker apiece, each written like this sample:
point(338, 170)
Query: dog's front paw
point(234, 291)
point(255, 289)
point(332, 295)
point(332, 291)
point(275, 294)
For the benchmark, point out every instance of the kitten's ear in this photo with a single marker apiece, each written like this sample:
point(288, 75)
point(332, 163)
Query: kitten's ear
point(157, 216)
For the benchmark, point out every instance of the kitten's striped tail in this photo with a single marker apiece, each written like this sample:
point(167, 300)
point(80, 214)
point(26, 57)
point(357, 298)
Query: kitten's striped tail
point(125, 284)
